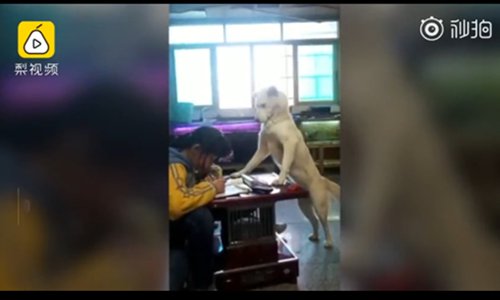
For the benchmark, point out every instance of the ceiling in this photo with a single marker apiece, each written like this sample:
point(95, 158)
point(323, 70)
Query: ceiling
point(187, 13)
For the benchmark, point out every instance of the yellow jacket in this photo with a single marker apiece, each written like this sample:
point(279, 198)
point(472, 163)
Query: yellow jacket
point(184, 198)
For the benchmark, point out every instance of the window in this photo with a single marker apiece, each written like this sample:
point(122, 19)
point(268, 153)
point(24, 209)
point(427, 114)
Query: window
point(194, 87)
point(234, 77)
point(196, 34)
point(310, 30)
point(273, 65)
point(315, 68)
point(253, 32)
point(222, 65)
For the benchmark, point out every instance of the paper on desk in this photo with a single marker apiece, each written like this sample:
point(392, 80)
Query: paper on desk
point(234, 187)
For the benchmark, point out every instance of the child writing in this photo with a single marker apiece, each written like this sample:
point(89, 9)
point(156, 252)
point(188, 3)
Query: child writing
point(191, 222)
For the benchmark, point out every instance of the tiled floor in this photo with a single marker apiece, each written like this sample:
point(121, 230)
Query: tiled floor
point(318, 267)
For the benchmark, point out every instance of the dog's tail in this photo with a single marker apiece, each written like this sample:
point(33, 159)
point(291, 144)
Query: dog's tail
point(333, 189)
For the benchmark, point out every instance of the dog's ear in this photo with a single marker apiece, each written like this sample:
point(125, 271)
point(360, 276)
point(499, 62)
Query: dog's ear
point(272, 92)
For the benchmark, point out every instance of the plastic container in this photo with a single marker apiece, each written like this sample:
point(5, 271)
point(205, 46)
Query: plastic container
point(182, 113)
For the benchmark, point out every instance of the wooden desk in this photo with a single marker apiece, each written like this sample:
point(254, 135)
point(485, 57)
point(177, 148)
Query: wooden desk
point(253, 254)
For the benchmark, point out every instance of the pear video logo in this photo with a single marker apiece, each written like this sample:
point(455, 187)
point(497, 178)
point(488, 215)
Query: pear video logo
point(36, 39)
point(36, 42)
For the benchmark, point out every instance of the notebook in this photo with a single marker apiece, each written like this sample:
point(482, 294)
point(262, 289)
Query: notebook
point(234, 187)
point(258, 185)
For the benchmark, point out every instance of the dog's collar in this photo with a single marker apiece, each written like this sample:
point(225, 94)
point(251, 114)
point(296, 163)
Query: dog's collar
point(272, 121)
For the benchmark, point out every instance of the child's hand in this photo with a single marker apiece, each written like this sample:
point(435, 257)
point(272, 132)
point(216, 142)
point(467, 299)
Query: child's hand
point(216, 170)
point(214, 173)
point(220, 185)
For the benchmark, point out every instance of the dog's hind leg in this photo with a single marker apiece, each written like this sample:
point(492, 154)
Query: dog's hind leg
point(321, 199)
point(306, 207)
point(334, 189)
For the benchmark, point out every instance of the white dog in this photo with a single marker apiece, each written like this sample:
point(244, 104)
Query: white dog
point(280, 138)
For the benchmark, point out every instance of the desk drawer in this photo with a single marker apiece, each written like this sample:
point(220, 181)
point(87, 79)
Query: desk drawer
point(283, 271)
point(256, 252)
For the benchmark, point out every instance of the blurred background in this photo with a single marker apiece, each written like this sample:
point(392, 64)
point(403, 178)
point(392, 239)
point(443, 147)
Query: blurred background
point(83, 154)
point(421, 145)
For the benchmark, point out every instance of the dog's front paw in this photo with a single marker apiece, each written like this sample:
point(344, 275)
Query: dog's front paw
point(279, 181)
point(236, 174)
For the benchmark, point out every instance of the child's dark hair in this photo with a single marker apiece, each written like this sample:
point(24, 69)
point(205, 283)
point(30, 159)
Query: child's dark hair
point(210, 139)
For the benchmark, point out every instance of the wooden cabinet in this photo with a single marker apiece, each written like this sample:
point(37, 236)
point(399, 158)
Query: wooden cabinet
point(323, 140)
point(326, 154)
